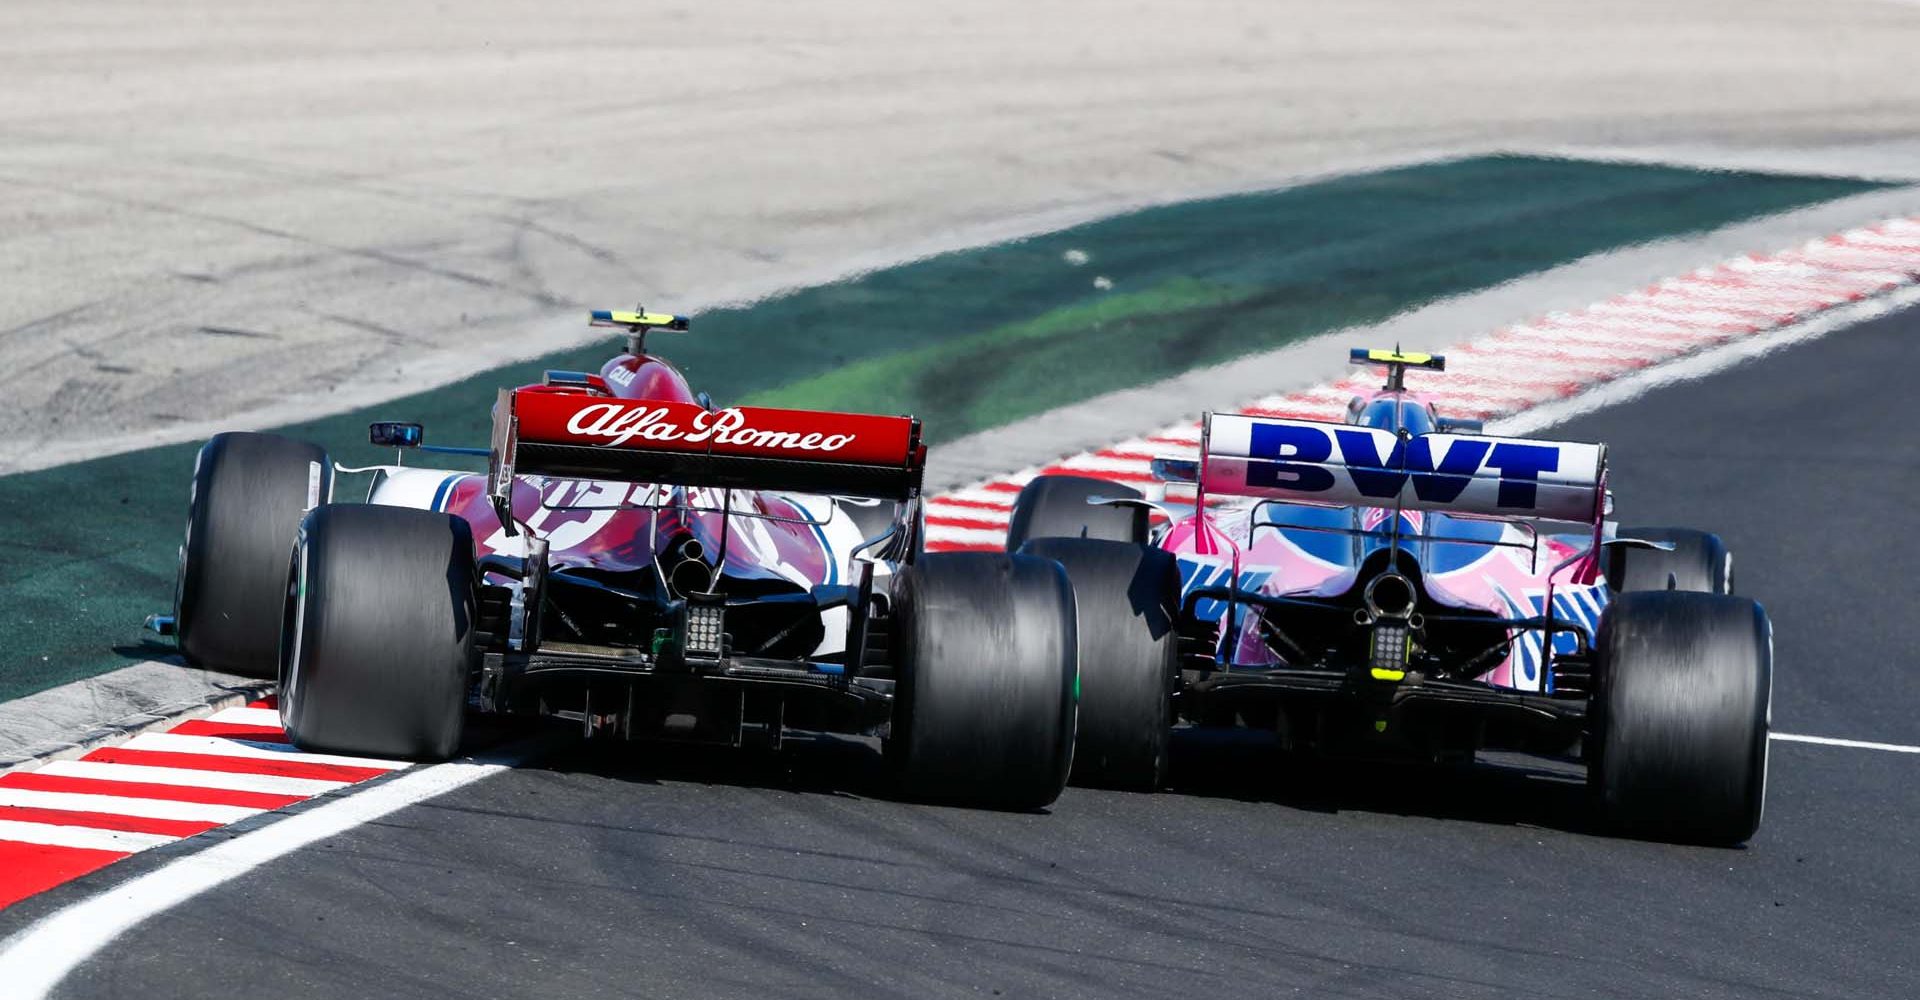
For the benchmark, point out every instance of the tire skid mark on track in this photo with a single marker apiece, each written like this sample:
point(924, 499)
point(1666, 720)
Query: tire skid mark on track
point(1542, 360)
point(71, 817)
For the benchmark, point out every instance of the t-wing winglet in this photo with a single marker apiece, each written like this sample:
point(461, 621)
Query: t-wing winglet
point(1396, 362)
point(1405, 359)
point(637, 321)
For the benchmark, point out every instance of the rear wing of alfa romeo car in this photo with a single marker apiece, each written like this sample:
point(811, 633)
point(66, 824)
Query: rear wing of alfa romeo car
point(1308, 461)
point(586, 436)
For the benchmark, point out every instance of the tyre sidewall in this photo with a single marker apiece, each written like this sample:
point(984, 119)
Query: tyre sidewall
point(378, 642)
point(1699, 562)
point(1127, 600)
point(985, 699)
point(249, 492)
point(1682, 709)
point(1057, 507)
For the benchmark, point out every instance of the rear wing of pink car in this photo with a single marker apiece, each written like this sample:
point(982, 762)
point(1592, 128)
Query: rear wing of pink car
point(1307, 461)
point(542, 432)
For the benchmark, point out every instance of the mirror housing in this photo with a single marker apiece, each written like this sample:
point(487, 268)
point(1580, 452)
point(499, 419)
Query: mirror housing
point(395, 434)
point(1459, 425)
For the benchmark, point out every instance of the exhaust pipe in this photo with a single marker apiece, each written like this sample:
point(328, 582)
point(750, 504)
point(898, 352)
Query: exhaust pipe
point(690, 576)
point(1391, 595)
point(690, 573)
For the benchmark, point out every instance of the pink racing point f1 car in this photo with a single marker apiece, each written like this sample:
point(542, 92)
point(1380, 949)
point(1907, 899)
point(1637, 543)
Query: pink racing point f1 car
point(1404, 584)
point(643, 565)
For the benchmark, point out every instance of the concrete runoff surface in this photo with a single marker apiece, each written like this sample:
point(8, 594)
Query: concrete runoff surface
point(665, 872)
point(218, 213)
point(94, 710)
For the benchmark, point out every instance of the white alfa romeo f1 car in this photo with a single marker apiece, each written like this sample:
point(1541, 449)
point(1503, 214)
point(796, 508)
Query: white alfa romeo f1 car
point(643, 565)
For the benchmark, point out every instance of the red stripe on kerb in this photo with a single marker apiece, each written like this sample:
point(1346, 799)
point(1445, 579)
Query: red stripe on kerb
point(292, 767)
point(1001, 486)
point(146, 790)
point(1107, 474)
point(270, 701)
point(972, 504)
point(1275, 413)
point(936, 521)
point(933, 546)
point(28, 869)
point(107, 821)
point(231, 731)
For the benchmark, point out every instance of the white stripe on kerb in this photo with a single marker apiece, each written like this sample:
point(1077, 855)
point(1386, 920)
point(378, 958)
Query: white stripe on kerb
point(51, 835)
point(220, 746)
point(271, 784)
point(970, 513)
point(247, 717)
point(30, 798)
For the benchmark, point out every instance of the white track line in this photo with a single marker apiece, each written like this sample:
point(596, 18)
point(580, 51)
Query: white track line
point(1834, 741)
point(29, 798)
point(271, 784)
point(35, 960)
point(91, 838)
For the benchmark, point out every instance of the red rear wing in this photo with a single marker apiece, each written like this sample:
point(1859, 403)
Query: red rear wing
point(583, 436)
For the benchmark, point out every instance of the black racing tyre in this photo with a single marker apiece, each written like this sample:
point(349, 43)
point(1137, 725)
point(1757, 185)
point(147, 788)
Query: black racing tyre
point(987, 678)
point(1680, 714)
point(1127, 599)
point(378, 641)
point(1699, 562)
point(1057, 507)
point(249, 493)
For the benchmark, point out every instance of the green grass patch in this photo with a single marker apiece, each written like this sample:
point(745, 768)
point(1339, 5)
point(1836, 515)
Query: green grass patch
point(966, 340)
point(1069, 353)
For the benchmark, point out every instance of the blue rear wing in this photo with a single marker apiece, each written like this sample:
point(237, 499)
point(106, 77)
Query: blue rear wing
point(1307, 461)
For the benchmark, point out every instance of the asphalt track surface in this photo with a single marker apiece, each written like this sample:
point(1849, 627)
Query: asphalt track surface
point(667, 873)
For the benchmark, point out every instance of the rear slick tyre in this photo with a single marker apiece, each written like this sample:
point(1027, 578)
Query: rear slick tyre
point(1680, 715)
point(249, 493)
point(377, 645)
point(1698, 562)
point(985, 699)
point(1127, 598)
point(1057, 507)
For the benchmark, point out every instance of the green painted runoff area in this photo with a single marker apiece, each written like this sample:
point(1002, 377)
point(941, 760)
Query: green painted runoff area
point(966, 340)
